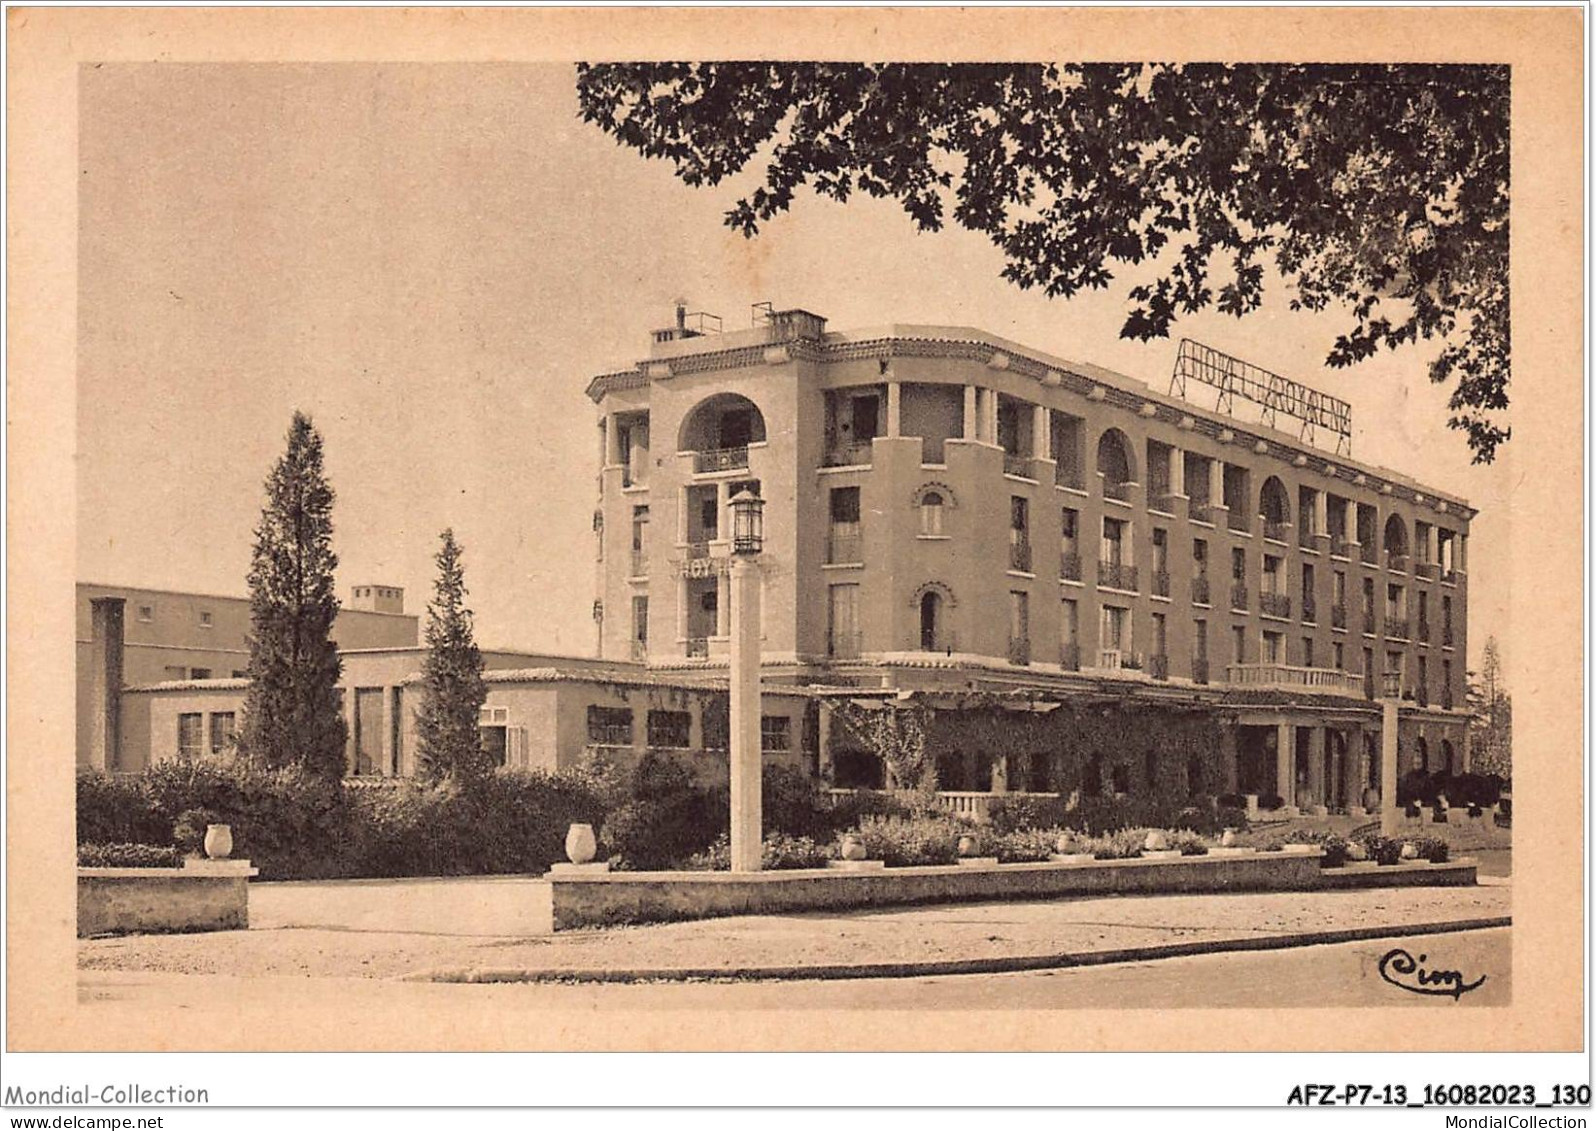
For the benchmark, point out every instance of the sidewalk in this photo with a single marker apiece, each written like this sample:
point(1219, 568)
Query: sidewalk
point(945, 938)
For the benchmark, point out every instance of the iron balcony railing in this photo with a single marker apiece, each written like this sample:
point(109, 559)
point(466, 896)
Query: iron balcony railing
point(1422, 695)
point(844, 645)
point(1307, 538)
point(1274, 604)
point(1396, 563)
point(1069, 565)
point(1238, 597)
point(1117, 489)
point(1425, 571)
point(1450, 576)
point(1338, 616)
point(698, 647)
point(1019, 465)
point(640, 651)
point(1424, 630)
point(1158, 667)
point(1368, 623)
point(1446, 635)
point(1160, 583)
point(1338, 546)
point(1019, 650)
point(1275, 531)
point(1199, 510)
point(844, 547)
point(1117, 575)
point(1396, 627)
point(1367, 554)
point(1237, 520)
point(1310, 610)
point(1020, 556)
point(639, 563)
point(1446, 698)
point(1117, 659)
point(1070, 477)
point(720, 459)
point(1163, 503)
point(1199, 669)
point(1069, 657)
point(847, 455)
point(1199, 591)
point(944, 641)
point(1286, 676)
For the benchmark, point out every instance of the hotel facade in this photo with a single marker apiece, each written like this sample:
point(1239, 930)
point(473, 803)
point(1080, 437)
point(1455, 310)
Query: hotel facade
point(949, 513)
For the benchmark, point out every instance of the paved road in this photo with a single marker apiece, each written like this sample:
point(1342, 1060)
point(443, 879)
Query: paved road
point(1343, 974)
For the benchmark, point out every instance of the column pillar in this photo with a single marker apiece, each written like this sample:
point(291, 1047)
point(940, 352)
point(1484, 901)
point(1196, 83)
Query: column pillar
point(1317, 794)
point(1216, 484)
point(723, 605)
point(106, 624)
point(990, 428)
point(681, 607)
point(1177, 472)
point(1285, 758)
point(1227, 756)
point(1390, 815)
point(1041, 433)
point(972, 397)
point(1321, 512)
point(823, 742)
point(1432, 545)
point(894, 408)
point(746, 818)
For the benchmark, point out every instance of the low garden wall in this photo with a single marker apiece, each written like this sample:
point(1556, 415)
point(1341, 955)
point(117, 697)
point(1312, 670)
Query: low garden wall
point(1413, 873)
point(203, 895)
point(603, 898)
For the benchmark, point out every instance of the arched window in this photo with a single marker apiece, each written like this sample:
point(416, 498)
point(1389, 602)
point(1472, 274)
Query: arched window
point(931, 513)
point(1396, 543)
point(1274, 505)
point(931, 637)
point(1116, 464)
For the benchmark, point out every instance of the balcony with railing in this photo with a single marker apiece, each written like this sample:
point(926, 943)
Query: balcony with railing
point(1067, 475)
point(1069, 565)
point(1307, 537)
point(1019, 650)
point(640, 651)
point(1237, 519)
point(844, 645)
point(698, 648)
point(1117, 575)
point(1069, 657)
point(1200, 510)
point(1020, 556)
point(1199, 591)
point(1276, 531)
point(943, 640)
point(1424, 571)
point(1118, 660)
point(1163, 503)
point(1285, 677)
point(1338, 546)
point(1158, 667)
point(1274, 604)
point(1199, 669)
point(1017, 464)
point(1117, 489)
point(1338, 616)
point(720, 459)
point(1367, 554)
point(1424, 631)
point(1368, 623)
point(844, 546)
point(1446, 635)
point(1397, 628)
point(639, 563)
point(1160, 581)
point(1238, 597)
point(1310, 610)
point(1450, 576)
point(847, 455)
point(1396, 563)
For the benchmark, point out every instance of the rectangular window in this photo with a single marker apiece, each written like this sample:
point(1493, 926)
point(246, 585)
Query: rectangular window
point(496, 744)
point(1116, 549)
point(609, 726)
point(206, 620)
point(1446, 684)
point(639, 529)
point(1424, 680)
point(199, 673)
point(1160, 635)
point(1446, 619)
point(1114, 633)
point(1071, 526)
point(1199, 558)
point(189, 734)
point(709, 517)
point(775, 734)
point(1069, 628)
point(146, 613)
point(1019, 626)
point(1307, 651)
point(843, 640)
point(1020, 517)
point(1308, 581)
point(844, 506)
point(1272, 582)
point(1368, 597)
point(640, 619)
point(1160, 550)
point(1240, 634)
point(1273, 647)
point(175, 671)
point(670, 730)
point(1238, 565)
point(1338, 587)
point(1340, 656)
point(1201, 628)
point(222, 731)
point(368, 730)
point(1393, 601)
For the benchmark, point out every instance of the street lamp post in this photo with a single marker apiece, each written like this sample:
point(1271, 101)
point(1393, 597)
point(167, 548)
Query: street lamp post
point(1390, 703)
point(748, 539)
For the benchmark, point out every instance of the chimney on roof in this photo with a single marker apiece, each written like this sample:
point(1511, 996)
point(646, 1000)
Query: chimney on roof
point(681, 315)
point(377, 598)
point(106, 621)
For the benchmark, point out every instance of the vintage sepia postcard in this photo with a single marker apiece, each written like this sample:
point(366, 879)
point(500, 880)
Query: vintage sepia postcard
point(812, 529)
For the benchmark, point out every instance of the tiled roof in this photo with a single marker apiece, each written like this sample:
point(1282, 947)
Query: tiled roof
point(193, 685)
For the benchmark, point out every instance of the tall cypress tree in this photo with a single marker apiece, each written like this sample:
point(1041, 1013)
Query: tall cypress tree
point(448, 741)
point(292, 713)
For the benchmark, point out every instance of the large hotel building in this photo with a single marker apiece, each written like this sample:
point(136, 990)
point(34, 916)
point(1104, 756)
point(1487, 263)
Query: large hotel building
point(948, 512)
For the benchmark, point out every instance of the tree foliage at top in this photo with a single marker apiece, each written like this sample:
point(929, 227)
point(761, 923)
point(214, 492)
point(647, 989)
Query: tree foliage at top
point(1379, 189)
point(292, 713)
point(448, 738)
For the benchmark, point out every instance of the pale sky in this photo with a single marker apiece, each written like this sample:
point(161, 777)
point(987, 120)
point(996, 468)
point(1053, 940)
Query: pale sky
point(433, 259)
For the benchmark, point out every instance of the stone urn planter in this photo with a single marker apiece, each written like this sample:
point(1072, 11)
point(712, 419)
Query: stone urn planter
point(1227, 839)
point(853, 848)
point(967, 847)
point(580, 844)
point(218, 841)
point(1408, 851)
point(1371, 799)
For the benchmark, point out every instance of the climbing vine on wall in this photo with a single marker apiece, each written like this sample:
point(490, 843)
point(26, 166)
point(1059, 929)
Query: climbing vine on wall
point(896, 733)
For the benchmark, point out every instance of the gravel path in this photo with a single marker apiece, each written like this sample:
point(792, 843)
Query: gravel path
point(923, 934)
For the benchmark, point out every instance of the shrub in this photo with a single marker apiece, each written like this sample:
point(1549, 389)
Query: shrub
point(1187, 842)
point(1123, 844)
point(666, 818)
point(792, 803)
point(1432, 848)
point(1008, 814)
point(1438, 815)
point(1097, 815)
point(127, 856)
point(1233, 801)
point(780, 851)
point(905, 841)
point(1022, 846)
point(1232, 818)
point(848, 811)
point(1382, 849)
